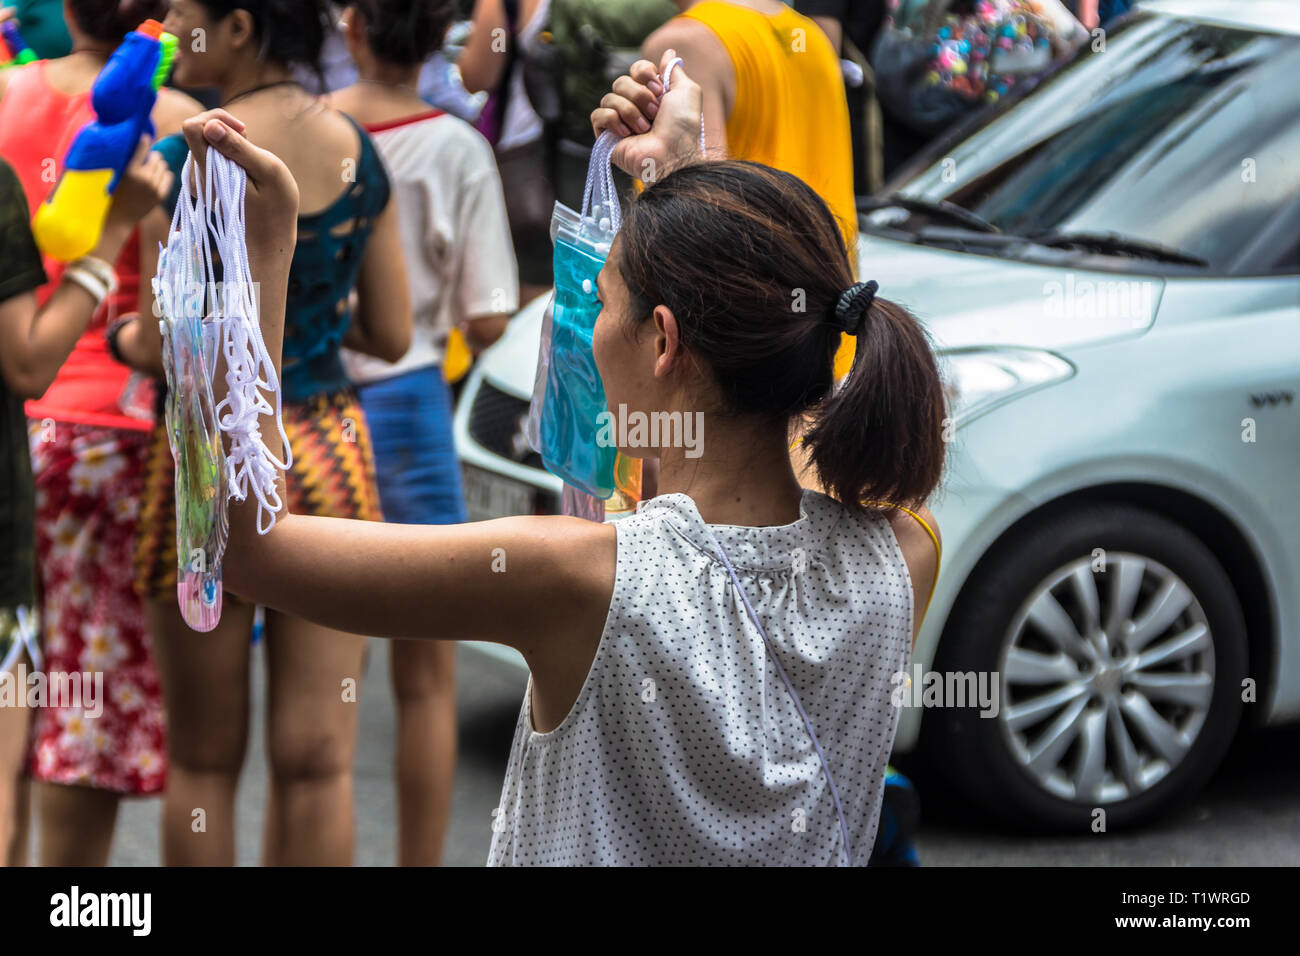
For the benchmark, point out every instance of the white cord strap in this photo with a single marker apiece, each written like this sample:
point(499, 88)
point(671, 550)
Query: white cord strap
point(214, 219)
point(600, 197)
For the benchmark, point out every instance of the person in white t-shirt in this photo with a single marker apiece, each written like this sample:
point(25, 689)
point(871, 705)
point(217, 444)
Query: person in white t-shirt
point(462, 271)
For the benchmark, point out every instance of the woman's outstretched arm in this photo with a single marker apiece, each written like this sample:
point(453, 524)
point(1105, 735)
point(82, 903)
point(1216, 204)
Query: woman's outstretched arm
point(516, 581)
point(530, 583)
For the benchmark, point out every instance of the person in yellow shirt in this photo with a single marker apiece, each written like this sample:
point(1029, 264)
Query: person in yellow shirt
point(774, 94)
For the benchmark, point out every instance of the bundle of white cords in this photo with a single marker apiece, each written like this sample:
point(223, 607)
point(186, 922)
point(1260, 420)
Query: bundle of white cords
point(214, 220)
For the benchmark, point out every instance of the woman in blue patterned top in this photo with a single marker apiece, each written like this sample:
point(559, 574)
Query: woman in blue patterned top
point(347, 286)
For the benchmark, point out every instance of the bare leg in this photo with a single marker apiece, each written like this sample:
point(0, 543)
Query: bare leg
point(13, 783)
point(205, 689)
point(313, 681)
point(22, 829)
point(424, 683)
point(76, 824)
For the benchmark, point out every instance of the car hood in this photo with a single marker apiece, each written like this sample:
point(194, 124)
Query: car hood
point(965, 301)
point(969, 301)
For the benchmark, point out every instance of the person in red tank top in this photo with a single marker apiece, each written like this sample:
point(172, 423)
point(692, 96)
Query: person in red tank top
point(89, 441)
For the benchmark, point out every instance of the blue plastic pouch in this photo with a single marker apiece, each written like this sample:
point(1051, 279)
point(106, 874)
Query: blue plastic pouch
point(568, 396)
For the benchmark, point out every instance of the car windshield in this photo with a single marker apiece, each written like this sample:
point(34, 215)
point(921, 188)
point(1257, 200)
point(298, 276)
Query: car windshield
point(1181, 134)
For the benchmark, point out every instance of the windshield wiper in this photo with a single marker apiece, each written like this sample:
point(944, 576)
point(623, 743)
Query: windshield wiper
point(941, 209)
point(1112, 244)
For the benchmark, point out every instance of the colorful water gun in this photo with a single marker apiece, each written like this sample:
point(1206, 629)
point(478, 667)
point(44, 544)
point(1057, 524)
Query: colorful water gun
point(14, 49)
point(67, 225)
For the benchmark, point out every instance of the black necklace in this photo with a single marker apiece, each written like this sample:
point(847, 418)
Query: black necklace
point(258, 89)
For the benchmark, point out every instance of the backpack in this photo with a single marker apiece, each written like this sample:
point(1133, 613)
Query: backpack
point(584, 46)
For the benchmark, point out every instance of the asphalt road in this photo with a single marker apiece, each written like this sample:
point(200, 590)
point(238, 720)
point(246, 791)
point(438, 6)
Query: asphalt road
point(1249, 815)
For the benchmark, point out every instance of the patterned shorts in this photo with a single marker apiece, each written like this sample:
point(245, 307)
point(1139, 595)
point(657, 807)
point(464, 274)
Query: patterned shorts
point(88, 484)
point(332, 476)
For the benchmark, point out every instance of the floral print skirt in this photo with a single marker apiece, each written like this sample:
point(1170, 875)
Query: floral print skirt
point(88, 485)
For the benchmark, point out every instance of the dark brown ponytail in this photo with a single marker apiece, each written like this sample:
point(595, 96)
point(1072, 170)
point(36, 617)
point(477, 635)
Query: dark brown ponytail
point(753, 265)
point(879, 436)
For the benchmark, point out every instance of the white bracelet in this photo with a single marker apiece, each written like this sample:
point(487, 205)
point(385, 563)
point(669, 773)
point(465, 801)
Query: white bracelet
point(98, 291)
point(101, 270)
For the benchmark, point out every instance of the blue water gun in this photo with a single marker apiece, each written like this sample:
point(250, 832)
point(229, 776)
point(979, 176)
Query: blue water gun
point(68, 224)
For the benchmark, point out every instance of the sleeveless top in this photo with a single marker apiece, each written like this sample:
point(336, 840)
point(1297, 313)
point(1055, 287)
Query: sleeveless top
point(326, 261)
point(684, 747)
point(37, 124)
point(790, 111)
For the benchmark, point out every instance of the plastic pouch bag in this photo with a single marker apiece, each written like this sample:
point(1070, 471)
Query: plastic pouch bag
point(189, 349)
point(568, 397)
point(203, 321)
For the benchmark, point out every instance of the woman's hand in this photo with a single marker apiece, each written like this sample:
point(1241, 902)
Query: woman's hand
point(271, 200)
point(659, 130)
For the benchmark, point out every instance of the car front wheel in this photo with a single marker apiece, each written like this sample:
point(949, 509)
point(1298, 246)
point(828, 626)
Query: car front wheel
point(1118, 648)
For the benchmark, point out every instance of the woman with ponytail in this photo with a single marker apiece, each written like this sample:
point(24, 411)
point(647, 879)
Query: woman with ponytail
point(712, 676)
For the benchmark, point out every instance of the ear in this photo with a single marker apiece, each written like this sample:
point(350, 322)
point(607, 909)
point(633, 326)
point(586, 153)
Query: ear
point(242, 32)
point(668, 343)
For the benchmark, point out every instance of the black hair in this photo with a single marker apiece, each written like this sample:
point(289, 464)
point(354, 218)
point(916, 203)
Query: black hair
point(108, 21)
point(754, 267)
point(289, 31)
point(405, 32)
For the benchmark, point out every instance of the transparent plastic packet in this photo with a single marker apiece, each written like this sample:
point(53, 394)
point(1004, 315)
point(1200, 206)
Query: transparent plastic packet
point(568, 396)
point(204, 321)
point(189, 350)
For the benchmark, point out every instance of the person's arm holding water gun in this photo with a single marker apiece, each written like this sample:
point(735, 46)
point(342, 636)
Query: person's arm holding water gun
point(34, 342)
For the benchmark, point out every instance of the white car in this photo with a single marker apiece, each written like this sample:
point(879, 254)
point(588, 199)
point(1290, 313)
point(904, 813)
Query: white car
point(1109, 265)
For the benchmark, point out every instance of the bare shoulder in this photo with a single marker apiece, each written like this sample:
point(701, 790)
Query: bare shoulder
point(919, 551)
point(692, 40)
point(173, 108)
point(345, 100)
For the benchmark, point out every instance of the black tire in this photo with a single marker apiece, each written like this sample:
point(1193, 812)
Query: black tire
point(975, 754)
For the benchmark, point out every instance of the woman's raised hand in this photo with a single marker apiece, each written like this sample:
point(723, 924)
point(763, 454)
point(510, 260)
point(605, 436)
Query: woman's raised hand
point(658, 129)
point(271, 199)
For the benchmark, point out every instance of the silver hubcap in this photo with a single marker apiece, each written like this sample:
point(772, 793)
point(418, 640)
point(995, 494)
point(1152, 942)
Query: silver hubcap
point(1107, 678)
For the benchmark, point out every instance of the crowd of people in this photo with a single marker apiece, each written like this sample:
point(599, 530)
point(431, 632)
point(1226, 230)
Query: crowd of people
point(396, 230)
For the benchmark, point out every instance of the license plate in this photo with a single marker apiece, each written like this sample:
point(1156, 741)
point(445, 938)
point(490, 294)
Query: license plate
point(488, 495)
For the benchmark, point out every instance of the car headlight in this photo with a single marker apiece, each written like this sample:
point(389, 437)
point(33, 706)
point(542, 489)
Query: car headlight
point(977, 380)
